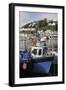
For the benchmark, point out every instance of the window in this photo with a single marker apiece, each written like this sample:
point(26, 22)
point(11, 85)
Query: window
point(34, 51)
point(39, 51)
point(45, 50)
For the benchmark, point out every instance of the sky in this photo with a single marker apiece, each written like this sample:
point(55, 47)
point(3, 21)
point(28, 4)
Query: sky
point(27, 17)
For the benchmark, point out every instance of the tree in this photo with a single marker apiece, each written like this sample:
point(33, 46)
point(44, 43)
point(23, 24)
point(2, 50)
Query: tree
point(45, 22)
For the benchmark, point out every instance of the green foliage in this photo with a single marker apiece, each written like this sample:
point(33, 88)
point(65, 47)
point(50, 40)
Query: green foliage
point(43, 25)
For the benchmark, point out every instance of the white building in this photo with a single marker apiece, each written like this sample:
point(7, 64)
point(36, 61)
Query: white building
point(52, 24)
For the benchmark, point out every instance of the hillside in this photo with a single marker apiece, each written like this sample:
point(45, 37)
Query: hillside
point(42, 25)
